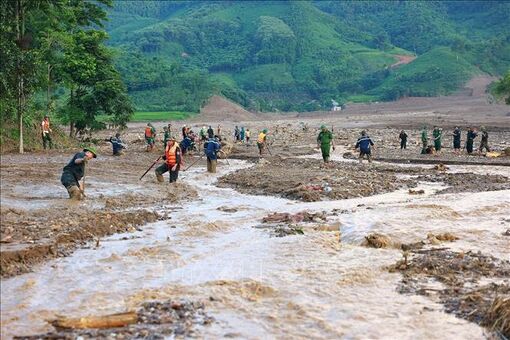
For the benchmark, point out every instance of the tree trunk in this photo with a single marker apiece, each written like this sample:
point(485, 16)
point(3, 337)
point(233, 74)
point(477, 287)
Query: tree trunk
point(71, 124)
point(49, 88)
point(20, 31)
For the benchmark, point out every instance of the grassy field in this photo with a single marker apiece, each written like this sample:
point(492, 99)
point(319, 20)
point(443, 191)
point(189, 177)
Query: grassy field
point(161, 116)
point(154, 116)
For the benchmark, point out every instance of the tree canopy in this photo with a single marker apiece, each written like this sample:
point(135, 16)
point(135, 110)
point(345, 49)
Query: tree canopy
point(57, 47)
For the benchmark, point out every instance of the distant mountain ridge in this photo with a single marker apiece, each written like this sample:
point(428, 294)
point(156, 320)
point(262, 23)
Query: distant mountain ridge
point(298, 56)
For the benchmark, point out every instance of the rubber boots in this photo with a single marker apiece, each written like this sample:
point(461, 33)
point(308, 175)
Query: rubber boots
point(74, 193)
point(159, 177)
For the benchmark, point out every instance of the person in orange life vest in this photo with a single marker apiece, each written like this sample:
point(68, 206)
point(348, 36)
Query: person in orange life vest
point(150, 136)
point(172, 163)
point(46, 130)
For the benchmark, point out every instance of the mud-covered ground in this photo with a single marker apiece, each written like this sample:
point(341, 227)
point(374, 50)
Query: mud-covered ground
point(310, 180)
point(471, 285)
point(38, 222)
point(210, 238)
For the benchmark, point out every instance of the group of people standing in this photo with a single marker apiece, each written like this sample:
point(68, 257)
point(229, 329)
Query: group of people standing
point(241, 134)
point(211, 142)
point(437, 140)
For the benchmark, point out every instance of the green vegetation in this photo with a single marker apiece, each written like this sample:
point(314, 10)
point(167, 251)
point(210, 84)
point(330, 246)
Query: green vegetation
point(502, 88)
point(160, 116)
point(155, 116)
point(425, 77)
point(54, 61)
point(296, 55)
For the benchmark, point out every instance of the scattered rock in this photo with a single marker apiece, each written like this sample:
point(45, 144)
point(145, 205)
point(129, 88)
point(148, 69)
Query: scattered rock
point(348, 155)
point(416, 192)
point(295, 218)
point(227, 209)
point(377, 240)
point(328, 227)
point(440, 167)
point(442, 237)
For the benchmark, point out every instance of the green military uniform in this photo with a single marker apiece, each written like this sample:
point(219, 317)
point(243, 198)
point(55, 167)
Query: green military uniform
point(437, 139)
point(324, 139)
point(166, 137)
point(424, 141)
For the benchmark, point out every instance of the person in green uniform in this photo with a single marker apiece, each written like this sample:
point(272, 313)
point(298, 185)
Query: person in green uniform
point(438, 135)
point(325, 141)
point(484, 144)
point(167, 135)
point(424, 140)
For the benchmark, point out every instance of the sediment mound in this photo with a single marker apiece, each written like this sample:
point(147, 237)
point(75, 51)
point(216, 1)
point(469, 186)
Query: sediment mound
point(220, 109)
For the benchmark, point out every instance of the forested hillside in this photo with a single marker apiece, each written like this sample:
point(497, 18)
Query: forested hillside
point(300, 55)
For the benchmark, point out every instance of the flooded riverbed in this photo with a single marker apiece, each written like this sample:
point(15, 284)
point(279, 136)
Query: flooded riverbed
point(258, 286)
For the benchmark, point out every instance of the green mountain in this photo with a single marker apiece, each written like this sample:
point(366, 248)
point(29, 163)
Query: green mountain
point(299, 55)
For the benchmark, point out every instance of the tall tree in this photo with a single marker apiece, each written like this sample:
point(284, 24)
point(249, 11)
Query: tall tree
point(45, 43)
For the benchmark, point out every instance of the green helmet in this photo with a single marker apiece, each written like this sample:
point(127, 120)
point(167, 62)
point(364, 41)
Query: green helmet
point(91, 149)
point(265, 130)
point(323, 127)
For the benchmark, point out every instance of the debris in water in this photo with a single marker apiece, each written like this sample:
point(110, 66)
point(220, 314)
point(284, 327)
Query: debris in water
point(440, 167)
point(282, 229)
point(498, 316)
point(464, 293)
point(493, 154)
point(106, 321)
point(227, 209)
point(328, 227)
point(154, 320)
point(348, 155)
point(441, 237)
point(377, 240)
point(303, 216)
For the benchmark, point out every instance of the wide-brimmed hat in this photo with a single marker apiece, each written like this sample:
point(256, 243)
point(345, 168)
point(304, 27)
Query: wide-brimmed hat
point(91, 149)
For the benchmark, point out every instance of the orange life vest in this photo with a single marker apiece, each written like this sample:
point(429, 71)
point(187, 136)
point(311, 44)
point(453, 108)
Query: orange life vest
point(148, 132)
point(171, 154)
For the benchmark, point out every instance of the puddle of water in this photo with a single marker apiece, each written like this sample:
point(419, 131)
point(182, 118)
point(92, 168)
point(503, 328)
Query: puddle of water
point(319, 288)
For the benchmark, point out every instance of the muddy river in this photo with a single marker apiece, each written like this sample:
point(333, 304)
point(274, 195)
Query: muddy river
point(322, 284)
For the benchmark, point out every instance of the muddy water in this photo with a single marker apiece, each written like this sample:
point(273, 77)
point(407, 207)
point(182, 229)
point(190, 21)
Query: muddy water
point(258, 286)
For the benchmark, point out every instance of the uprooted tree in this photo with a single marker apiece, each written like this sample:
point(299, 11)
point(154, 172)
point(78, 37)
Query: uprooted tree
point(57, 45)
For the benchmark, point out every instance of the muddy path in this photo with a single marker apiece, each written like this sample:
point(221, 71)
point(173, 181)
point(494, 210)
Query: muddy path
point(204, 241)
point(38, 222)
point(320, 283)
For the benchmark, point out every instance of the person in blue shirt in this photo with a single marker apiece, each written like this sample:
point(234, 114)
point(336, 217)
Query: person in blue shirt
point(364, 144)
point(186, 144)
point(117, 145)
point(211, 148)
